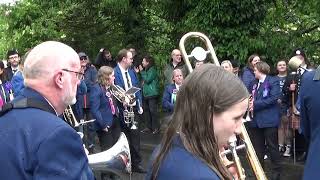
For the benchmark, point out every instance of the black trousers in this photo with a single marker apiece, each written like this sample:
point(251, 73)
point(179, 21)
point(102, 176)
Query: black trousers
point(133, 136)
point(108, 139)
point(150, 105)
point(263, 139)
point(89, 130)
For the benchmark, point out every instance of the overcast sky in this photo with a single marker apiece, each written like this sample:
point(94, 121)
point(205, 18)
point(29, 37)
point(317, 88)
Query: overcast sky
point(7, 1)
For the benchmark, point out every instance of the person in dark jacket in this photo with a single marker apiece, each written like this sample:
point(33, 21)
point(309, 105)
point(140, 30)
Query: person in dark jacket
point(263, 129)
point(248, 75)
point(150, 89)
point(35, 142)
point(171, 91)
point(310, 103)
point(13, 63)
point(104, 58)
point(17, 80)
point(291, 91)
point(284, 132)
point(78, 106)
point(90, 78)
point(175, 63)
point(104, 109)
point(205, 117)
point(5, 86)
point(126, 77)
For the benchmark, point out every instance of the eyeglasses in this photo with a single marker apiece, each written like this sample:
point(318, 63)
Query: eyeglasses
point(83, 58)
point(78, 74)
point(14, 57)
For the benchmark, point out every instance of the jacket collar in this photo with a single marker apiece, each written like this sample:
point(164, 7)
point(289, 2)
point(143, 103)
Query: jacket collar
point(31, 93)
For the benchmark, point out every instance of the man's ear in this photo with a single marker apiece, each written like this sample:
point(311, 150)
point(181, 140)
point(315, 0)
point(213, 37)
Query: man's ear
point(59, 79)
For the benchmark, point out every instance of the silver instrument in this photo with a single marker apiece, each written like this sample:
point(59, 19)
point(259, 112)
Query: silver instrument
point(128, 100)
point(116, 158)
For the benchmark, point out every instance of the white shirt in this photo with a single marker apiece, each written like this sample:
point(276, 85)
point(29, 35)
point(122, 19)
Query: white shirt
point(263, 77)
point(123, 71)
point(302, 69)
point(14, 70)
point(177, 86)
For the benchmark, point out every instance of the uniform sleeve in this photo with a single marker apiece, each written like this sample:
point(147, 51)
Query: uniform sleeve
point(82, 89)
point(95, 98)
point(305, 121)
point(17, 84)
point(61, 156)
point(166, 100)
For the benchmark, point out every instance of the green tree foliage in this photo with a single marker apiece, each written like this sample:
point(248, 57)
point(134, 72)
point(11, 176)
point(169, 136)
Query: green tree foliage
point(236, 28)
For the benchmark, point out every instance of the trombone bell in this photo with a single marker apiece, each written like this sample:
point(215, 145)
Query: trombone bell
point(199, 53)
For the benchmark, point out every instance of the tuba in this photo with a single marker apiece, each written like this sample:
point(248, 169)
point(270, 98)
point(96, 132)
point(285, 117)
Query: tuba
point(115, 159)
point(200, 54)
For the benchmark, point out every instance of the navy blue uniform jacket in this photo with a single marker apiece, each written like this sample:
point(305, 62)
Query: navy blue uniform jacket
point(167, 103)
point(310, 123)
point(36, 144)
point(181, 164)
point(120, 82)
point(266, 110)
point(100, 107)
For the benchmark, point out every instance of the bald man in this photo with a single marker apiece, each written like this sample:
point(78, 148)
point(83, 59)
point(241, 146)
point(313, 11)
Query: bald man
point(35, 142)
point(175, 63)
point(291, 86)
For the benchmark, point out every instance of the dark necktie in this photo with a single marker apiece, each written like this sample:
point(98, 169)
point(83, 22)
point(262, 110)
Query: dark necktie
point(259, 85)
point(14, 71)
point(299, 72)
point(128, 81)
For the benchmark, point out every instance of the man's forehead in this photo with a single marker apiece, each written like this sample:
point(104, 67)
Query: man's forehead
point(129, 53)
point(14, 55)
point(176, 51)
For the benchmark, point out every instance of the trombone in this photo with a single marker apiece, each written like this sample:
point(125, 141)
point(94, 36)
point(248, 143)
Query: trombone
point(200, 54)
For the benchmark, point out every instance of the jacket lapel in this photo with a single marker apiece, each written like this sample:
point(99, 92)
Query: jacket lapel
point(120, 78)
point(261, 87)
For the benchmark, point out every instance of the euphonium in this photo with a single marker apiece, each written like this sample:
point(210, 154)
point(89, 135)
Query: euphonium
point(127, 100)
point(200, 54)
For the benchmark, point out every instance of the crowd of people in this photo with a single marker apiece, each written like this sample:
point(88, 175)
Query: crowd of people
point(201, 111)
